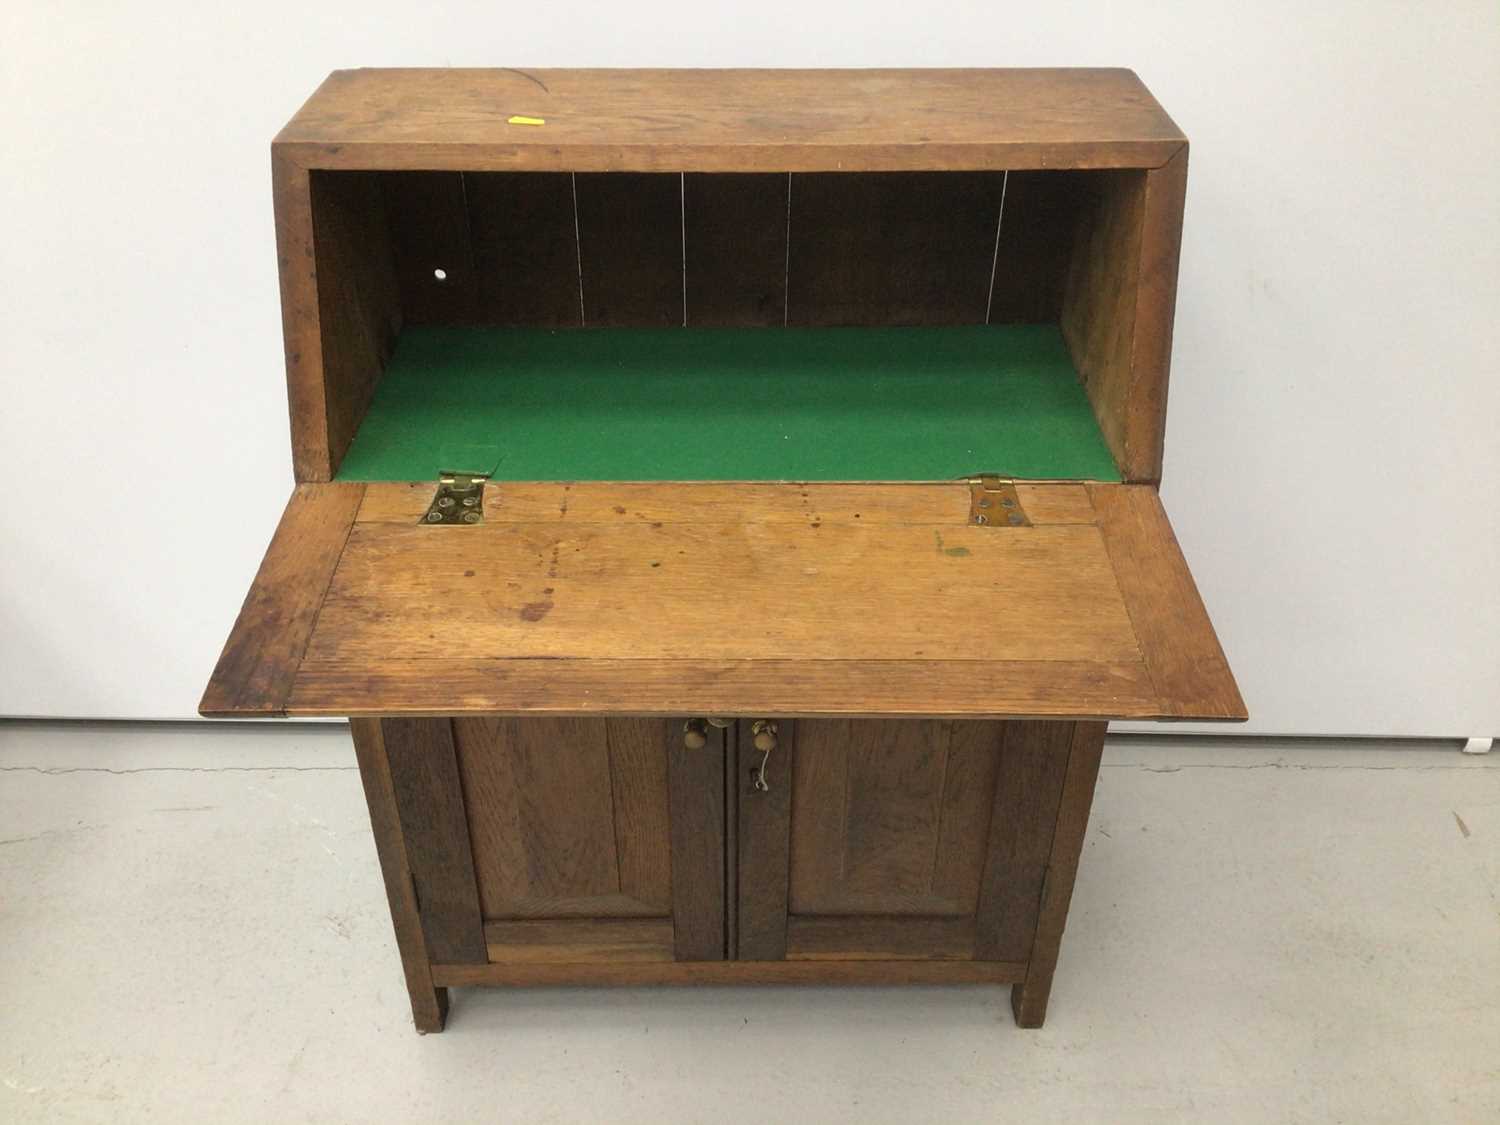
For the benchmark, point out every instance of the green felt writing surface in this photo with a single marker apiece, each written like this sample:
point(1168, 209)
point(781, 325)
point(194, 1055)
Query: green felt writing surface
point(800, 404)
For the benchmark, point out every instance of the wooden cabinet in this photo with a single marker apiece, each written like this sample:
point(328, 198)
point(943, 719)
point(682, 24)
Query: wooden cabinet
point(727, 510)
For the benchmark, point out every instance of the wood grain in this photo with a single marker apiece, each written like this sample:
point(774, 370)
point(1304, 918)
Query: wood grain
point(525, 248)
point(255, 672)
point(429, 1004)
point(730, 120)
point(861, 591)
point(889, 688)
point(1188, 669)
point(429, 799)
point(1027, 789)
point(696, 779)
point(604, 973)
point(1029, 997)
point(618, 940)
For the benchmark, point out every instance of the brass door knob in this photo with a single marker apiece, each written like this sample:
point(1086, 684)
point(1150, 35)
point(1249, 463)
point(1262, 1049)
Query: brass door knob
point(764, 733)
point(695, 734)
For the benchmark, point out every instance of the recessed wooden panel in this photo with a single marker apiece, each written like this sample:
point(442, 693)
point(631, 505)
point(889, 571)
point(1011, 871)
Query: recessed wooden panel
point(890, 817)
point(569, 817)
point(630, 242)
point(905, 248)
point(736, 235)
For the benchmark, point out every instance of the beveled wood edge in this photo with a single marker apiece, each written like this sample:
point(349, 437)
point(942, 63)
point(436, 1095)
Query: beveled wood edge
point(595, 974)
point(954, 689)
point(1189, 672)
point(1018, 156)
point(261, 658)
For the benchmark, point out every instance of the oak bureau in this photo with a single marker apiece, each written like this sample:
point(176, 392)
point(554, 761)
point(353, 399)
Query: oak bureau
point(727, 510)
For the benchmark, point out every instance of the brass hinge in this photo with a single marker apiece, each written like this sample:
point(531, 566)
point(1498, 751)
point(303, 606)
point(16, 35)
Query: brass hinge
point(994, 503)
point(459, 498)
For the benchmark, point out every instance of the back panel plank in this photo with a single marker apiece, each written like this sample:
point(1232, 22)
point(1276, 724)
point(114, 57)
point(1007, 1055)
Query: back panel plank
point(525, 248)
point(735, 227)
point(896, 249)
point(630, 245)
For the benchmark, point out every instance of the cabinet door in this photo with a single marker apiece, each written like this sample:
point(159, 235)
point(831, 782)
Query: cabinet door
point(893, 840)
point(587, 839)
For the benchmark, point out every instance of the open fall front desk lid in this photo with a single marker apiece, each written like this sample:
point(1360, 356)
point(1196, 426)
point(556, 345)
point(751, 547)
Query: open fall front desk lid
point(725, 599)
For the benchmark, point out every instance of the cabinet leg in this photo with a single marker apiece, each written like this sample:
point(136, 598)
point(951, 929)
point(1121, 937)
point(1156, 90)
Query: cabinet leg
point(429, 1004)
point(1028, 1000)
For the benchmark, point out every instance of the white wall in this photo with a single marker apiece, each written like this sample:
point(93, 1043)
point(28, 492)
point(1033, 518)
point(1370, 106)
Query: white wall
point(1332, 464)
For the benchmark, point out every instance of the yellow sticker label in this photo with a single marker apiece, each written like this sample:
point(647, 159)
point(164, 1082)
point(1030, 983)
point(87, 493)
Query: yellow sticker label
point(518, 119)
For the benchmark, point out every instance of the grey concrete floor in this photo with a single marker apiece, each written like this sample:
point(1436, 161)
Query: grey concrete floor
point(193, 929)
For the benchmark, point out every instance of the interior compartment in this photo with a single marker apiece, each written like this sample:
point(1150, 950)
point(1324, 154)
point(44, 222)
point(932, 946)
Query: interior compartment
point(666, 326)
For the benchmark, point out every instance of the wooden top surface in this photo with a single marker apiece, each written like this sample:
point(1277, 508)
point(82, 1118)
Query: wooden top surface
point(731, 120)
point(725, 599)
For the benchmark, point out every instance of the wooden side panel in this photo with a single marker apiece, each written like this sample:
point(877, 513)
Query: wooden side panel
point(763, 845)
point(525, 248)
point(1028, 787)
point(429, 1004)
point(1028, 998)
point(890, 818)
point(698, 837)
point(429, 797)
point(1118, 307)
point(1188, 669)
point(358, 303)
point(893, 249)
point(255, 673)
point(291, 189)
point(429, 223)
point(735, 227)
point(568, 817)
point(630, 243)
